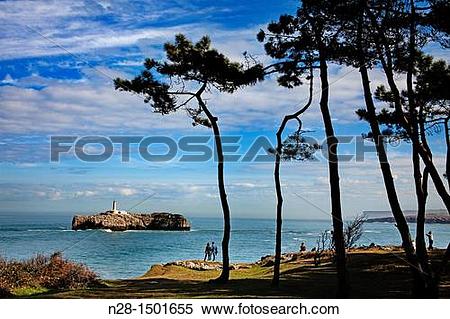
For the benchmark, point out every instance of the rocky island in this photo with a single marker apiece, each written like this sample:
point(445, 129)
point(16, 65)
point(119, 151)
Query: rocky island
point(117, 220)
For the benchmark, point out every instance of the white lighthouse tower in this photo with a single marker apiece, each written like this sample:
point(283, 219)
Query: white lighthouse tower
point(115, 210)
point(114, 207)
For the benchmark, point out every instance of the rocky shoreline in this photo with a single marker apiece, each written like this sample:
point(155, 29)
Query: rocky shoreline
point(116, 221)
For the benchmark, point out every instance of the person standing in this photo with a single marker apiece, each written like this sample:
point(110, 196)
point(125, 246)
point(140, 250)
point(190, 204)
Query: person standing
point(430, 240)
point(302, 247)
point(213, 251)
point(207, 252)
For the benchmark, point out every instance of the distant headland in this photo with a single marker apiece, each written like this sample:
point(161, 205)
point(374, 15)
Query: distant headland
point(436, 216)
point(119, 220)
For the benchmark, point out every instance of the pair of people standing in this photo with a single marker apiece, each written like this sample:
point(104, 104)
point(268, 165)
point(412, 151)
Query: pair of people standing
point(210, 252)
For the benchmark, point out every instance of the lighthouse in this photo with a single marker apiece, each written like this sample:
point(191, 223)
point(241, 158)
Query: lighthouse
point(114, 207)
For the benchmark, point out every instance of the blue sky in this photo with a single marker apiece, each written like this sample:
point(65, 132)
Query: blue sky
point(57, 62)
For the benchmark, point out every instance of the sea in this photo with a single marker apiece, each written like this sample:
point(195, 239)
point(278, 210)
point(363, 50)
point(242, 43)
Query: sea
point(130, 254)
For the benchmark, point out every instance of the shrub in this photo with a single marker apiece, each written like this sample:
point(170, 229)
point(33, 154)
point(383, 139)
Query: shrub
point(5, 288)
point(63, 274)
point(52, 272)
point(354, 230)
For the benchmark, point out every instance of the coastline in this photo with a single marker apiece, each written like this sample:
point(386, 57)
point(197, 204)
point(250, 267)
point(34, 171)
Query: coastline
point(429, 219)
point(104, 252)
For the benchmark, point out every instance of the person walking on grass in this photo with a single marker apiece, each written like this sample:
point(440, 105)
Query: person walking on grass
point(207, 252)
point(213, 251)
point(430, 240)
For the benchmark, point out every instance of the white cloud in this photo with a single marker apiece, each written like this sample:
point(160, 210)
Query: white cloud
point(62, 27)
point(127, 191)
point(86, 193)
point(250, 189)
point(92, 105)
point(8, 79)
point(78, 108)
point(26, 165)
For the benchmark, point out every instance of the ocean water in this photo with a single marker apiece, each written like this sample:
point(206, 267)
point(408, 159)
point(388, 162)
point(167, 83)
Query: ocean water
point(131, 253)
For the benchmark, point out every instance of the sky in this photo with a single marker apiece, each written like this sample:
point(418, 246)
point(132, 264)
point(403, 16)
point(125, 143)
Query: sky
point(57, 63)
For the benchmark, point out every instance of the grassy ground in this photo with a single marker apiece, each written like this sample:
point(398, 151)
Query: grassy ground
point(374, 273)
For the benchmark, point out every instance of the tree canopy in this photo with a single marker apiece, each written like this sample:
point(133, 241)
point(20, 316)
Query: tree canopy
point(187, 63)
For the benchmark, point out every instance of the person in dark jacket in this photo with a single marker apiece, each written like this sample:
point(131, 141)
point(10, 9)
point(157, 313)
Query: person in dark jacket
point(207, 252)
point(430, 240)
point(213, 251)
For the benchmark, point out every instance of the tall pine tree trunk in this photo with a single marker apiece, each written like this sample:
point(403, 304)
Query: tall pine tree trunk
point(432, 277)
point(276, 173)
point(421, 185)
point(422, 289)
point(333, 167)
point(413, 120)
point(391, 192)
point(447, 160)
point(224, 276)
